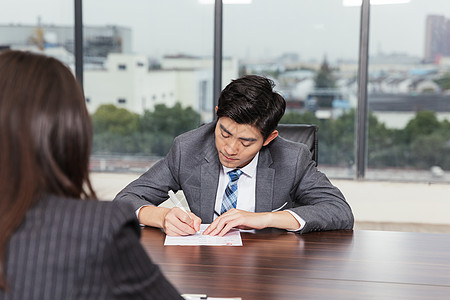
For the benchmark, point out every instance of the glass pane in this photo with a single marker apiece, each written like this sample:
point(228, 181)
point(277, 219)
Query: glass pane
point(310, 50)
point(148, 76)
point(409, 91)
point(44, 26)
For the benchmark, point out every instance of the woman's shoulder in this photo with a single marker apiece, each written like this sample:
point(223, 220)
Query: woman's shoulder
point(70, 240)
point(94, 216)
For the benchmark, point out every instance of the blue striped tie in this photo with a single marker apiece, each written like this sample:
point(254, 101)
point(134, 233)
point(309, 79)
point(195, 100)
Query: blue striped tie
point(230, 197)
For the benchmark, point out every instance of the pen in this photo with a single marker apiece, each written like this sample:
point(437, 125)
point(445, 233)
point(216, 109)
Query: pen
point(177, 202)
point(194, 296)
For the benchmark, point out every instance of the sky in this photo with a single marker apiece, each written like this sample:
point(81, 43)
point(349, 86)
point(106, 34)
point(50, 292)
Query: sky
point(311, 29)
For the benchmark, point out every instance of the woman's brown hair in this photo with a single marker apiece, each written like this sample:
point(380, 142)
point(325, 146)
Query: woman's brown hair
point(45, 138)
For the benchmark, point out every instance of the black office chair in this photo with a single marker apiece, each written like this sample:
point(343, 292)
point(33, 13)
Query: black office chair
point(302, 133)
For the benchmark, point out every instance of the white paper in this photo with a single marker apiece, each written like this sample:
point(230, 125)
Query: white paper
point(201, 297)
point(197, 297)
point(232, 238)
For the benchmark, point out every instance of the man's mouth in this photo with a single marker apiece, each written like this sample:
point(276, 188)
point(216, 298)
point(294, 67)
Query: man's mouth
point(228, 158)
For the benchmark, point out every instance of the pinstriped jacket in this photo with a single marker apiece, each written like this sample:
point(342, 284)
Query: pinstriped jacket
point(286, 177)
point(75, 249)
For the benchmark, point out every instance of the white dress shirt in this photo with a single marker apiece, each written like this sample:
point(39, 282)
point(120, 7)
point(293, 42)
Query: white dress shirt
point(246, 190)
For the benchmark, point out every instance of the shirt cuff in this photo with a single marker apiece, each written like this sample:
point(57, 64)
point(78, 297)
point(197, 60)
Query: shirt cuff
point(137, 213)
point(298, 218)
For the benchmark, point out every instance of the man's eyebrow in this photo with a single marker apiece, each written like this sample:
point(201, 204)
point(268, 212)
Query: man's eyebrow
point(248, 139)
point(241, 138)
point(224, 129)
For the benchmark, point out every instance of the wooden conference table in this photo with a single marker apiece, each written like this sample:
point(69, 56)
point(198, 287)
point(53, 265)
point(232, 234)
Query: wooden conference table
point(274, 264)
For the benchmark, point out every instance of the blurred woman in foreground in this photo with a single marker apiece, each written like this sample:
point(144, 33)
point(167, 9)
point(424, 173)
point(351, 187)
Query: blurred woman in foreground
point(52, 244)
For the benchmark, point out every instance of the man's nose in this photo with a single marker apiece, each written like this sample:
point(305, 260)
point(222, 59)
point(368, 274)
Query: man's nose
point(232, 147)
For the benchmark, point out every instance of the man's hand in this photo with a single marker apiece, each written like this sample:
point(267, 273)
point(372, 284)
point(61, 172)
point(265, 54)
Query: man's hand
point(180, 222)
point(237, 218)
point(174, 221)
point(249, 220)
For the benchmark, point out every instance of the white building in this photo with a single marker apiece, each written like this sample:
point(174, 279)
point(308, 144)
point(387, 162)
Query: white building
point(97, 40)
point(127, 82)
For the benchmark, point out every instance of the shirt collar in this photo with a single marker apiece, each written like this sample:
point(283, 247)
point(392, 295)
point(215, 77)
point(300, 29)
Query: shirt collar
point(249, 170)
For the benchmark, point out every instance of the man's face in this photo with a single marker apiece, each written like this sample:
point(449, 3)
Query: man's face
point(237, 144)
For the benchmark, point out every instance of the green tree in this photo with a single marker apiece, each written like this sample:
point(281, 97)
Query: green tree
point(296, 118)
point(163, 124)
point(111, 143)
point(383, 149)
point(424, 123)
point(444, 82)
point(109, 118)
point(169, 120)
point(423, 142)
point(339, 139)
point(429, 150)
point(324, 78)
point(118, 130)
point(428, 141)
point(115, 130)
point(336, 137)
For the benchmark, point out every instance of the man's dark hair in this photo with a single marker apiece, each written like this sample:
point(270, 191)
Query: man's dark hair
point(251, 100)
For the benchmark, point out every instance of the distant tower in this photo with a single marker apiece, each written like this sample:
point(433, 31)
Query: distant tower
point(447, 38)
point(435, 38)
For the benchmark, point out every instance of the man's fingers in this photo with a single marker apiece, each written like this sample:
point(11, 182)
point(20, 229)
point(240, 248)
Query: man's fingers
point(217, 226)
point(179, 228)
point(172, 230)
point(196, 222)
point(183, 216)
point(210, 228)
point(226, 229)
point(179, 222)
point(223, 224)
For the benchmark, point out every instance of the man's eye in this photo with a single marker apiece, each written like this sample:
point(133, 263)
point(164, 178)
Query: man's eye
point(225, 135)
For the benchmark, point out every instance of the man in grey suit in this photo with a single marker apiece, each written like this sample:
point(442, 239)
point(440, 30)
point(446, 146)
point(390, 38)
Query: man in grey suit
point(277, 183)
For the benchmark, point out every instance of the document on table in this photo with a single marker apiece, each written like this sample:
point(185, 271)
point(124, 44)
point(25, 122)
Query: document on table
point(232, 238)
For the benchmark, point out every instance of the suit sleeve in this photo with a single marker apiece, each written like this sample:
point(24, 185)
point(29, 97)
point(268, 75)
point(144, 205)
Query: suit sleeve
point(317, 200)
point(128, 269)
point(152, 187)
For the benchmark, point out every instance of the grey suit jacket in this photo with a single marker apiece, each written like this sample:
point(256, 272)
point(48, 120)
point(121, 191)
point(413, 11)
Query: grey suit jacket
point(76, 249)
point(285, 175)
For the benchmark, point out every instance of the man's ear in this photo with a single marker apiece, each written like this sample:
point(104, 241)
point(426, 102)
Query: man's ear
point(215, 109)
point(271, 137)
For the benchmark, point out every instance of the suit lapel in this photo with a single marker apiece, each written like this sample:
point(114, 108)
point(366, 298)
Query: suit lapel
point(209, 181)
point(264, 182)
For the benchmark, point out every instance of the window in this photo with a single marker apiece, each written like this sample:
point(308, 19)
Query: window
point(408, 91)
point(310, 50)
point(311, 53)
point(175, 44)
point(45, 27)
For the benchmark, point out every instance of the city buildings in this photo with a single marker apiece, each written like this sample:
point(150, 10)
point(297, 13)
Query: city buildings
point(97, 43)
point(437, 38)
